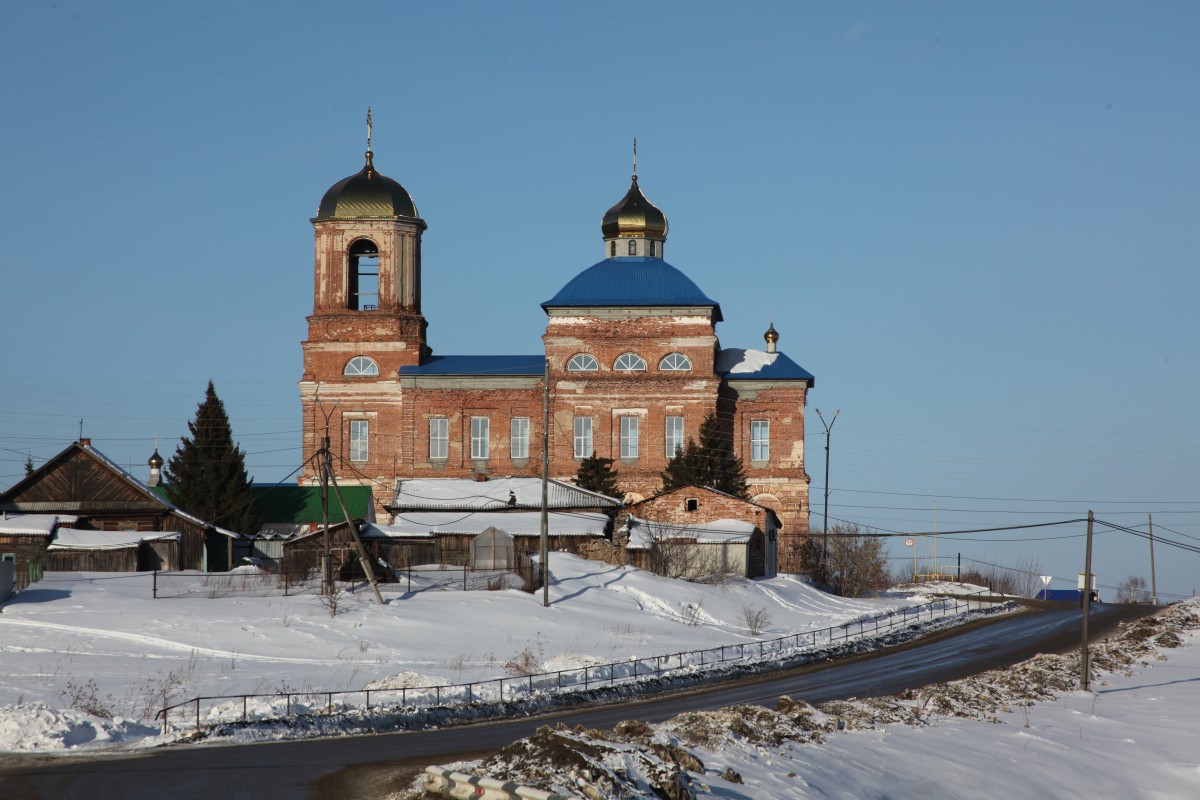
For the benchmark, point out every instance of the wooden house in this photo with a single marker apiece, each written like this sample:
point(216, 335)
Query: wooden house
point(98, 495)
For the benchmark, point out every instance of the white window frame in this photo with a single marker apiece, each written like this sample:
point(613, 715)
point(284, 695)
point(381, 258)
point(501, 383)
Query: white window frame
point(629, 362)
point(481, 429)
point(360, 440)
point(583, 362)
point(439, 438)
point(518, 437)
point(583, 437)
point(760, 440)
point(361, 366)
point(629, 437)
point(673, 436)
point(675, 362)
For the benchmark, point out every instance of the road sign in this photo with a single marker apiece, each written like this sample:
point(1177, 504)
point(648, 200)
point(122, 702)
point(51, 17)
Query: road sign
point(1046, 579)
point(909, 542)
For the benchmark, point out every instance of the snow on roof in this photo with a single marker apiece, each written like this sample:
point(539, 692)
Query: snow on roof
point(467, 494)
point(642, 533)
point(133, 481)
point(734, 363)
point(28, 524)
point(75, 539)
point(426, 524)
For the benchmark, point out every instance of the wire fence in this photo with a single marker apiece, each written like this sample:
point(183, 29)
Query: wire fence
point(262, 583)
point(218, 709)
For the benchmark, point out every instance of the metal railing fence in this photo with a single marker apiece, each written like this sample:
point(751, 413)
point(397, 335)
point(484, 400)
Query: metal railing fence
point(234, 708)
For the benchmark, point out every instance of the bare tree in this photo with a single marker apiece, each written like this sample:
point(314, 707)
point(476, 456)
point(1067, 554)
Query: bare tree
point(854, 563)
point(1133, 590)
point(673, 552)
point(756, 619)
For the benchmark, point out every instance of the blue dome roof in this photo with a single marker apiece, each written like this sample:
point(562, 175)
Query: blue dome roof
point(631, 281)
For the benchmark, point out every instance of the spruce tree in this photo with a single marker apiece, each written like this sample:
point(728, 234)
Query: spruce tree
point(29, 468)
point(597, 475)
point(710, 463)
point(207, 475)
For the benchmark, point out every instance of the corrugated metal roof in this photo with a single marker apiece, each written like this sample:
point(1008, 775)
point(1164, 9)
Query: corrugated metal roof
point(631, 281)
point(464, 494)
point(427, 524)
point(28, 524)
point(302, 504)
point(479, 365)
point(737, 364)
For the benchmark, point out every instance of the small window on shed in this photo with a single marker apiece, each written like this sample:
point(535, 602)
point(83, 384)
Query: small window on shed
point(691, 504)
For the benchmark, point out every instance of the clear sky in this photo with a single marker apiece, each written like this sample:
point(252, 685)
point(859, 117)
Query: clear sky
point(975, 223)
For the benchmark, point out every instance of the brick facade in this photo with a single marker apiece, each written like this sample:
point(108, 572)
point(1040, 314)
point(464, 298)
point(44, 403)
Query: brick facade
point(398, 407)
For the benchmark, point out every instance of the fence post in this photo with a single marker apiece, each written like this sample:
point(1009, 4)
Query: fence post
point(154, 589)
point(244, 708)
point(197, 713)
point(164, 717)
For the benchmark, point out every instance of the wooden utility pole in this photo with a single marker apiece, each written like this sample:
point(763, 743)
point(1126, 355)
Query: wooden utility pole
point(363, 560)
point(1086, 605)
point(544, 549)
point(1153, 582)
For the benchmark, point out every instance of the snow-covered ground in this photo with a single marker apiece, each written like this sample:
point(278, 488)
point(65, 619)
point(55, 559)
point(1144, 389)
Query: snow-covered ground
point(1020, 732)
point(87, 659)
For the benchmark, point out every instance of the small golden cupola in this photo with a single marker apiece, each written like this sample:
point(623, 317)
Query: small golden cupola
point(634, 227)
point(771, 337)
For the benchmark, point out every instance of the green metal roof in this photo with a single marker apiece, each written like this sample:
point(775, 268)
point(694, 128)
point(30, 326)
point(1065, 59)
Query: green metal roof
point(301, 504)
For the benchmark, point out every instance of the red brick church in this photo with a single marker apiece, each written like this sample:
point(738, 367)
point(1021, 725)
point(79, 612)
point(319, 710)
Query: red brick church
point(630, 347)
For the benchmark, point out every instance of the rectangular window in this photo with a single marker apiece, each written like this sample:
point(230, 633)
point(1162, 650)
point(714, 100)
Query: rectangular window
point(480, 427)
point(519, 437)
point(359, 430)
point(583, 437)
point(760, 440)
point(629, 437)
point(439, 438)
point(674, 436)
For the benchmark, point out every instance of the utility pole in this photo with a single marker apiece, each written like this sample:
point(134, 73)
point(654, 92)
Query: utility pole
point(1086, 604)
point(1153, 582)
point(544, 551)
point(825, 519)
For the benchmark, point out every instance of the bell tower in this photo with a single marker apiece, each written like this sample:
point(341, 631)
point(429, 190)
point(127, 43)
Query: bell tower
point(366, 321)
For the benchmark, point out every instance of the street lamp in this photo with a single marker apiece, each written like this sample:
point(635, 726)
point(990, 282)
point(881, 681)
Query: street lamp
point(825, 520)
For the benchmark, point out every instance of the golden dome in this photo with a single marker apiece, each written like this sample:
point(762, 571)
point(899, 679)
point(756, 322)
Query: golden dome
point(368, 194)
point(772, 335)
point(156, 461)
point(634, 218)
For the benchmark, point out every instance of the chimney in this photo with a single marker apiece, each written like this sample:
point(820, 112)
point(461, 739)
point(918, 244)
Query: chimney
point(85, 442)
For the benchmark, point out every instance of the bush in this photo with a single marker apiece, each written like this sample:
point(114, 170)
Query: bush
point(851, 563)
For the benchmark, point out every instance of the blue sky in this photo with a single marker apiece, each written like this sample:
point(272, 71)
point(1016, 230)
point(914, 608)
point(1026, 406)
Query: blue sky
point(974, 223)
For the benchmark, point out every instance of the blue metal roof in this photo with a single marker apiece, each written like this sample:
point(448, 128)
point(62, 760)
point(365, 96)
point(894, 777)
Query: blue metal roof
point(631, 281)
point(736, 364)
point(479, 365)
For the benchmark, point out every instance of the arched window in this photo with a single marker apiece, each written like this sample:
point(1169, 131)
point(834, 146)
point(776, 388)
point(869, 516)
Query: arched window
point(675, 362)
point(633, 247)
point(363, 284)
point(582, 362)
point(652, 253)
point(361, 366)
point(629, 362)
point(612, 250)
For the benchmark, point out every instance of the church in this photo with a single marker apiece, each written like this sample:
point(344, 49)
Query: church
point(630, 354)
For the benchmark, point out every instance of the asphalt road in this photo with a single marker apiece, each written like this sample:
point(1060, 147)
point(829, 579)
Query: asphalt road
point(366, 766)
